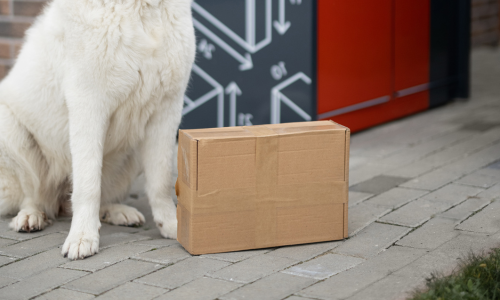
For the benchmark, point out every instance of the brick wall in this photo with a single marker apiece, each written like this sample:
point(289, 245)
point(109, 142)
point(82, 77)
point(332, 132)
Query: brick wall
point(485, 27)
point(17, 15)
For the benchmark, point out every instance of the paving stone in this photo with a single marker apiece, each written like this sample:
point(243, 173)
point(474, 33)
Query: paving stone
point(396, 197)
point(485, 221)
point(159, 243)
point(166, 255)
point(379, 184)
point(415, 213)
point(5, 281)
point(298, 298)
point(133, 291)
point(324, 266)
point(57, 226)
point(491, 193)
point(484, 178)
point(389, 288)
point(479, 126)
point(34, 246)
point(372, 240)
point(64, 294)
point(363, 215)
point(367, 172)
point(107, 229)
point(466, 208)
point(40, 283)
point(412, 170)
point(119, 238)
point(183, 272)
point(431, 235)
point(305, 252)
point(357, 197)
point(201, 289)
point(453, 194)
point(4, 260)
point(495, 165)
point(432, 180)
point(475, 161)
point(274, 287)
point(34, 264)
point(107, 257)
point(253, 268)
point(236, 256)
point(6, 242)
point(351, 281)
point(106, 279)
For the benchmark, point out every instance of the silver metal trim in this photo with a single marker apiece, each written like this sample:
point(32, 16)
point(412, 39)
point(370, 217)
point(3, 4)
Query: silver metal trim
point(412, 90)
point(354, 107)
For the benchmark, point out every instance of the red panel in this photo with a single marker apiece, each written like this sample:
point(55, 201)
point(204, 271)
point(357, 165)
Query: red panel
point(411, 43)
point(394, 109)
point(354, 52)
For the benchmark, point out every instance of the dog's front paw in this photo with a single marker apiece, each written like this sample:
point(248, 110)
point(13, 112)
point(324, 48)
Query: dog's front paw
point(79, 245)
point(120, 214)
point(168, 229)
point(29, 220)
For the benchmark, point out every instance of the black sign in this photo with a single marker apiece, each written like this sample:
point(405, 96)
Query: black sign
point(255, 63)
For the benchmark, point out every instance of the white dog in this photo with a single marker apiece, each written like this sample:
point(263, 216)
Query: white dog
point(94, 99)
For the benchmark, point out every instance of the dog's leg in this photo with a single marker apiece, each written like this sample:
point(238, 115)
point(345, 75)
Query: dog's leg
point(157, 155)
point(88, 124)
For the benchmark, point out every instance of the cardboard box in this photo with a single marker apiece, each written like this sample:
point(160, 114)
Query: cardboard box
point(263, 186)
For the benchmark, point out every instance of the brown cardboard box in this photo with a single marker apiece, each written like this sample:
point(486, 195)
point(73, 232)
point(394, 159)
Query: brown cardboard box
point(263, 186)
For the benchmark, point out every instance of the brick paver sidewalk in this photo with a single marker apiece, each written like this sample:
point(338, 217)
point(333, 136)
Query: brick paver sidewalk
point(424, 191)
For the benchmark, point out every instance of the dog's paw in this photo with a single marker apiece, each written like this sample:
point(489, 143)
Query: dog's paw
point(30, 220)
point(168, 229)
point(120, 214)
point(79, 245)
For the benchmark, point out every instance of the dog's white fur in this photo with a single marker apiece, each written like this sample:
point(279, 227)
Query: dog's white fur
point(94, 99)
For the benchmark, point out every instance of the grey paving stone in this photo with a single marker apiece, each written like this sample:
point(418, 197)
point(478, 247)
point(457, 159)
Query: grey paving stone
point(298, 298)
point(357, 197)
point(183, 272)
point(107, 229)
point(201, 289)
point(236, 256)
point(485, 221)
point(34, 264)
point(415, 213)
point(4, 260)
point(453, 194)
point(159, 243)
point(372, 240)
point(119, 238)
point(396, 197)
point(133, 291)
point(484, 178)
point(466, 208)
point(495, 165)
point(475, 161)
point(64, 294)
point(305, 252)
point(412, 170)
point(107, 257)
point(5, 281)
point(363, 215)
point(254, 268)
point(432, 180)
point(34, 246)
point(324, 266)
point(491, 193)
point(431, 235)
point(379, 184)
point(367, 172)
point(479, 125)
point(40, 283)
point(6, 242)
point(166, 255)
point(106, 279)
point(389, 288)
point(351, 281)
point(57, 226)
point(274, 287)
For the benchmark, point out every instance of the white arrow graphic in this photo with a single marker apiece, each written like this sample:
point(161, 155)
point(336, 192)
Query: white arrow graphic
point(246, 61)
point(233, 90)
point(277, 97)
point(282, 26)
